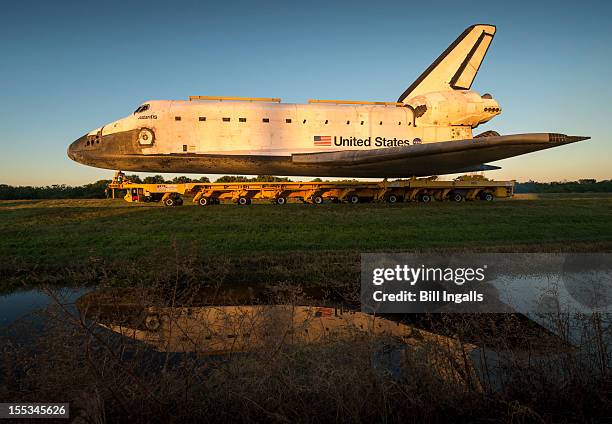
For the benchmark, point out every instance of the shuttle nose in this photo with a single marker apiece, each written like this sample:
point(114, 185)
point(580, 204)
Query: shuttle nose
point(75, 147)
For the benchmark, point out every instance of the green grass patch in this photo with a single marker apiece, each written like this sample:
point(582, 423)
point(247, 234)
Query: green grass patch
point(79, 234)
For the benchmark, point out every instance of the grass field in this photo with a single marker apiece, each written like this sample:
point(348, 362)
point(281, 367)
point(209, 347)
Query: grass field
point(59, 235)
point(113, 243)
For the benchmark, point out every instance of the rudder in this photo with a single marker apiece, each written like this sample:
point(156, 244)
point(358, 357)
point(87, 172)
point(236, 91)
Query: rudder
point(457, 66)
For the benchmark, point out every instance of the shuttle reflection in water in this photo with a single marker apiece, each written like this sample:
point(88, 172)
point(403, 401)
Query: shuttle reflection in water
point(225, 329)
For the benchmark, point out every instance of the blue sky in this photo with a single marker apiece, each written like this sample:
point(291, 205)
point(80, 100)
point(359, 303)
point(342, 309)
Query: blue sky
point(70, 66)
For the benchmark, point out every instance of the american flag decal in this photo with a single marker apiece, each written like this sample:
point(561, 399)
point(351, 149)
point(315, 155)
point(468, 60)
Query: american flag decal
point(322, 140)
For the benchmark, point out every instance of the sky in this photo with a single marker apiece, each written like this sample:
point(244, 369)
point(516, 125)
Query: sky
point(68, 67)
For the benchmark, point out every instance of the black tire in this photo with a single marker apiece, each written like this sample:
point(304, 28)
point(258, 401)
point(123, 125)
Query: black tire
point(456, 197)
point(205, 201)
point(425, 198)
point(392, 198)
point(353, 198)
point(170, 201)
point(243, 201)
point(280, 200)
point(317, 200)
point(152, 322)
point(179, 201)
point(487, 196)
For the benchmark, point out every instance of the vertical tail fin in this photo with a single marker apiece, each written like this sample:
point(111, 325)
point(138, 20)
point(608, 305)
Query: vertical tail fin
point(457, 66)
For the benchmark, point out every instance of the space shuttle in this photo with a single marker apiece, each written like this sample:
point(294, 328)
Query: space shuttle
point(429, 130)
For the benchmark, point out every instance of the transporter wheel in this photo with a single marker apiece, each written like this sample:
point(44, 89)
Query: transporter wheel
point(354, 199)
point(280, 200)
point(456, 197)
point(317, 200)
point(178, 201)
point(152, 322)
point(486, 196)
point(425, 198)
point(170, 201)
point(392, 198)
point(243, 201)
point(205, 201)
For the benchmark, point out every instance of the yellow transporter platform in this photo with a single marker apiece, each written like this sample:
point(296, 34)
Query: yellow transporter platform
point(243, 193)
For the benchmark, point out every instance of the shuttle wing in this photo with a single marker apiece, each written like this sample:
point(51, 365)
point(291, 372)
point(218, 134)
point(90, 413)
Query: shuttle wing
point(457, 66)
point(459, 153)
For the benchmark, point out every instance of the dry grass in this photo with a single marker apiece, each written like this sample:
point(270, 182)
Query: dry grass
point(368, 377)
point(522, 374)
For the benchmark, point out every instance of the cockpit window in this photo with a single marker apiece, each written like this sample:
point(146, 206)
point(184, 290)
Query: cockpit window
point(141, 108)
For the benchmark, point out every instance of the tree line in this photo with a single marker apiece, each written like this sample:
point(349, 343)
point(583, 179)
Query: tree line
point(580, 186)
point(97, 190)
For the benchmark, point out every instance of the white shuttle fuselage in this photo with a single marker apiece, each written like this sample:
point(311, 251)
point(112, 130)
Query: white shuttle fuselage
point(427, 131)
